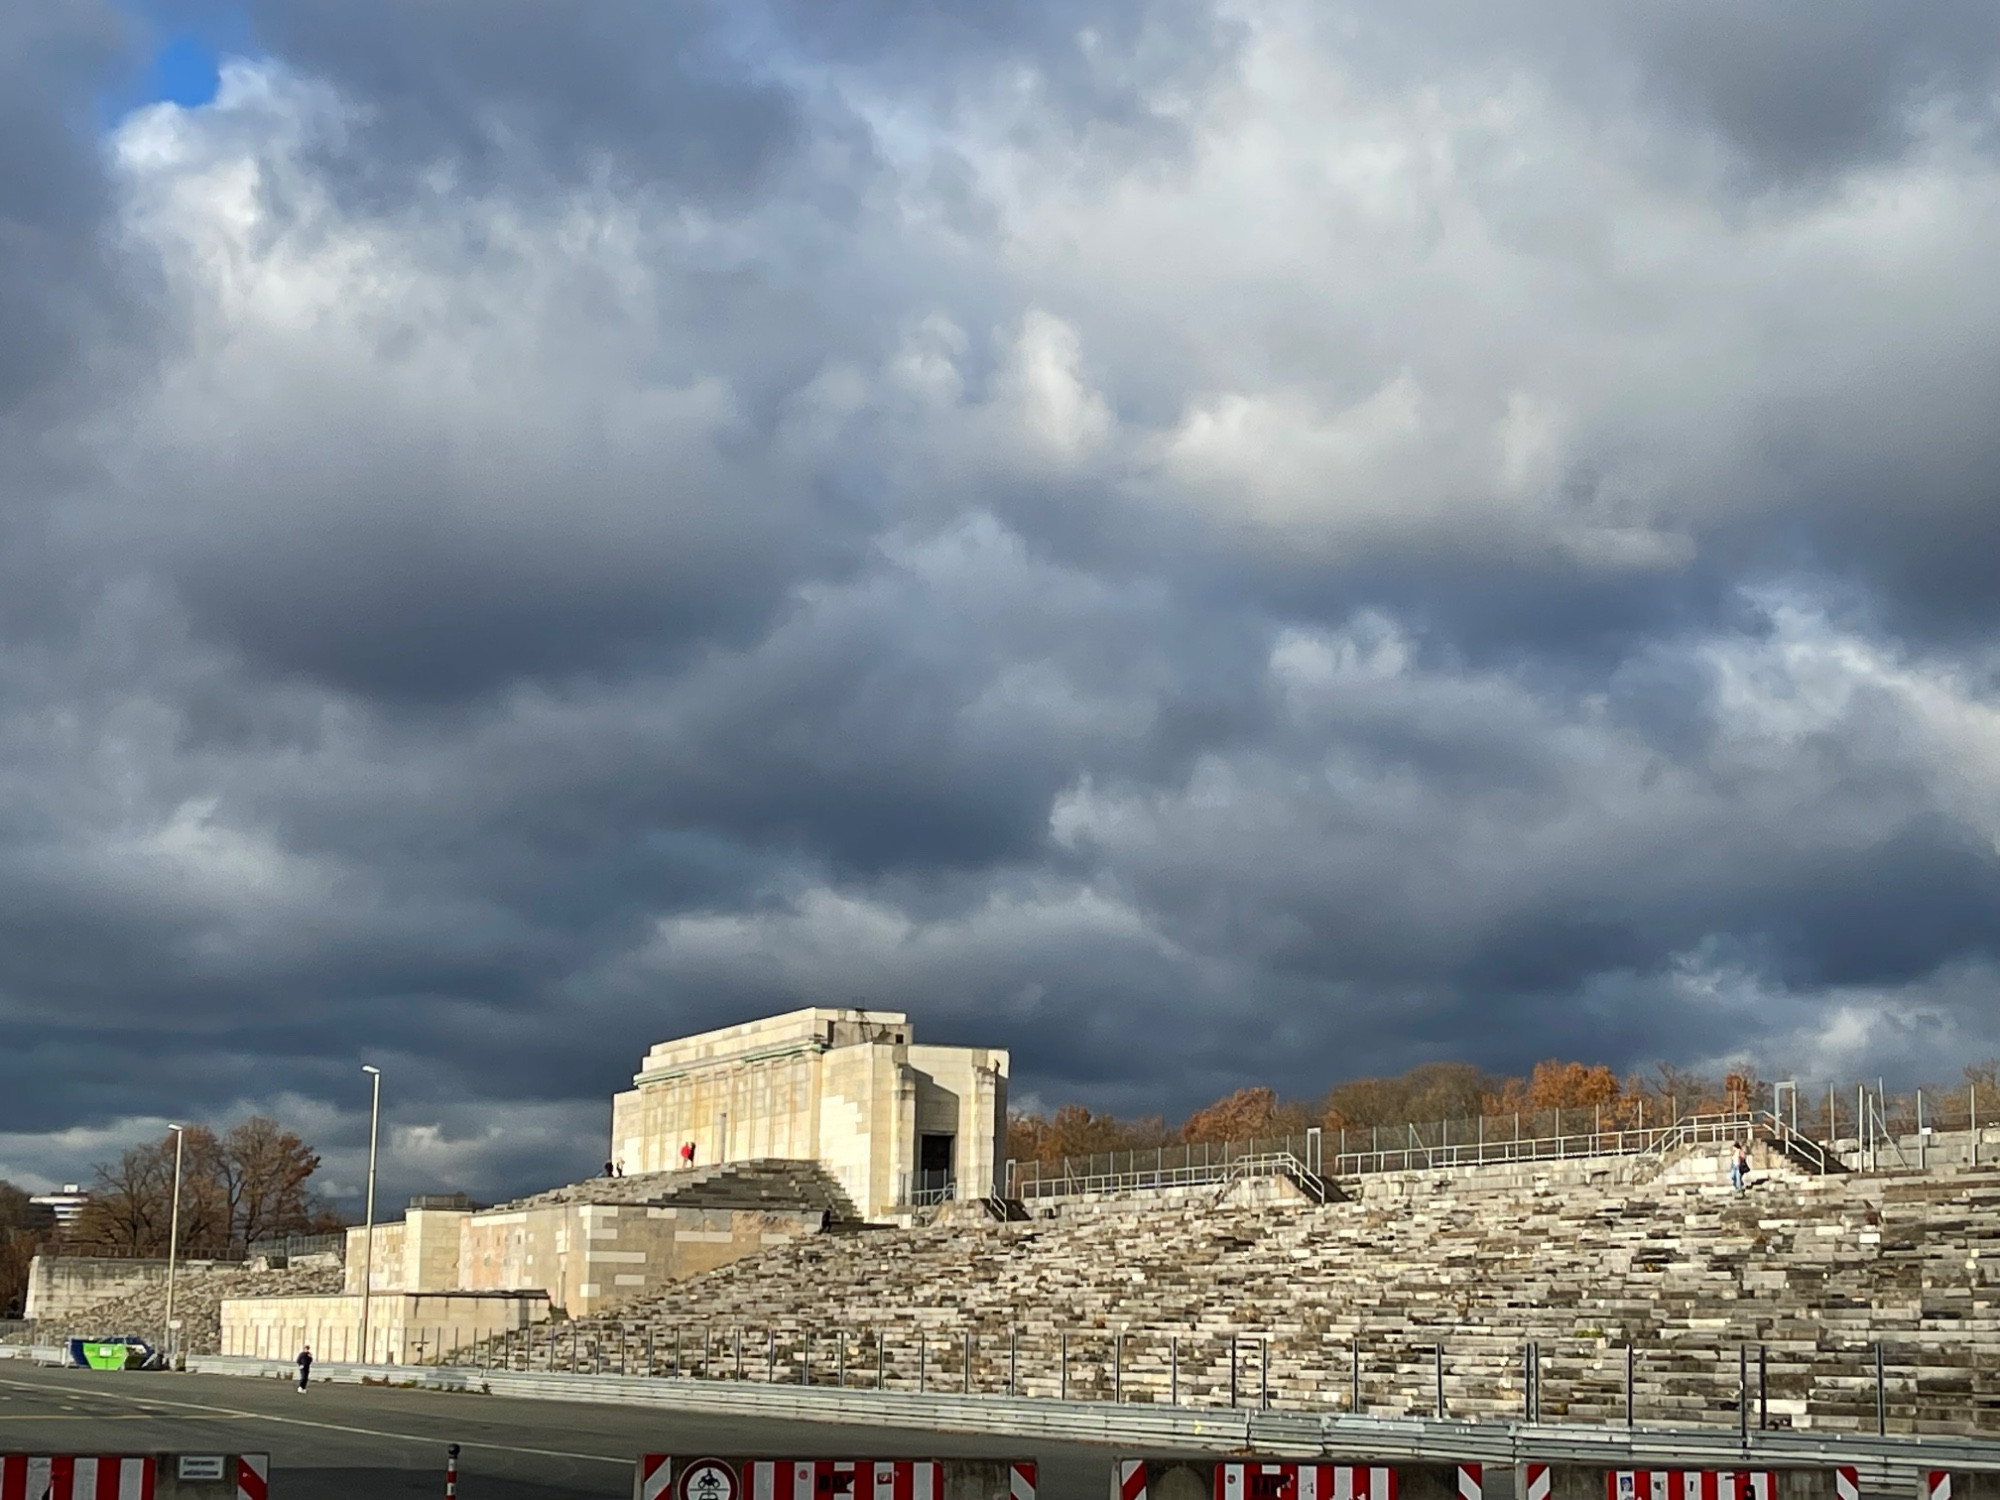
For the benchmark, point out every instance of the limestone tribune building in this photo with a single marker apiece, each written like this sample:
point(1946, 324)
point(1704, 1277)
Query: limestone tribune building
point(893, 1121)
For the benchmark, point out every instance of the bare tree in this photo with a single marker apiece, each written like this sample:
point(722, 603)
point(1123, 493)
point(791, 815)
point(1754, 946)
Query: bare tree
point(130, 1201)
point(234, 1190)
point(264, 1169)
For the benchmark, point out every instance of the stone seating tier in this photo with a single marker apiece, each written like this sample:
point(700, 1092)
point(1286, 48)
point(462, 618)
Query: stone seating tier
point(764, 1183)
point(1811, 1270)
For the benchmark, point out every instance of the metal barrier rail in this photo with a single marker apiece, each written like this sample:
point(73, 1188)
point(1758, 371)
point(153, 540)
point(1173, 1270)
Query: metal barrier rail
point(1419, 1155)
point(1885, 1462)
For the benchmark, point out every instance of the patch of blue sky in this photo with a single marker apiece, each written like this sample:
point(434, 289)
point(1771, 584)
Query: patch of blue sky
point(186, 71)
point(180, 52)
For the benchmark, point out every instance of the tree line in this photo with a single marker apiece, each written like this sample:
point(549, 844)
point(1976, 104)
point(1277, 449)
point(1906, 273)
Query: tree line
point(1426, 1094)
point(251, 1182)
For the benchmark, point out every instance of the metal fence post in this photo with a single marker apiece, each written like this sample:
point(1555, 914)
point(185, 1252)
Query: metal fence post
point(1174, 1370)
point(1628, 1384)
point(841, 1357)
point(966, 1388)
point(739, 1353)
point(770, 1356)
point(1743, 1391)
point(881, 1358)
point(1013, 1349)
point(1354, 1402)
point(923, 1353)
point(1118, 1366)
point(1064, 1387)
point(1763, 1387)
point(1264, 1372)
point(805, 1356)
point(1232, 1372)
point(1881, 1396)
point(1438, 1351)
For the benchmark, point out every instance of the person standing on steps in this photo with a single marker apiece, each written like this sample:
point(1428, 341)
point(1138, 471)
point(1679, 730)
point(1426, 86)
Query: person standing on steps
point(1739, 1168)
point(305, 1364)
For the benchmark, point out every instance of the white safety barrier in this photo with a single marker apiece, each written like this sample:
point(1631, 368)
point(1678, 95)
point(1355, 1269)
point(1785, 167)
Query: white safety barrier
point(133, 1476)
point(1280, 1479)
point(1961, 1483)
point(1688, 1484)
point(74, 1476)
point(661, 1475)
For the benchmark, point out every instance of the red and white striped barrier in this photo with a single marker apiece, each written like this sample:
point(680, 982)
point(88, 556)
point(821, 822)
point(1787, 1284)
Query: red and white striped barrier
point(74, 1476)
point(1537, 1476)
point(1254, 1479)
point(1846, 1483)
point(1689, 1484)
point(1289, 1481)
point(1937, 1485)
point(662, 1477)
point(132, 1476)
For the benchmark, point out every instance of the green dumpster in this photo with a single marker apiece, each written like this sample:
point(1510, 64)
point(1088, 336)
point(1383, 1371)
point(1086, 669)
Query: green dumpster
point(117, 1355)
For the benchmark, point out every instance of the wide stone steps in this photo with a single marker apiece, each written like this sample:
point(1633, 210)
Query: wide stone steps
point(1814, 1270)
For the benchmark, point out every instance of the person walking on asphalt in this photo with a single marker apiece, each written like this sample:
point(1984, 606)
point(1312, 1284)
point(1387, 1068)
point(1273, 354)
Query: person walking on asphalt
point(305, 1363)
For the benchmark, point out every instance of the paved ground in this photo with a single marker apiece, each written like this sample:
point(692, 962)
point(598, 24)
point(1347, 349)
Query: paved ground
point(360, 1443)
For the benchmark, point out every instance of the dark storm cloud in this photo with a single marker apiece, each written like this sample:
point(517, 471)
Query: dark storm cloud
point(1795, 92)
point(53, 60)
point(1200, 546)
point(516, 94)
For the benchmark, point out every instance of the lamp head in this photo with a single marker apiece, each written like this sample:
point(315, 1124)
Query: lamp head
point(371, 1068)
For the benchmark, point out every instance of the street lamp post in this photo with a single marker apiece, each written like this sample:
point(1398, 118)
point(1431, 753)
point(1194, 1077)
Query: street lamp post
point(174, 1238)
point(368, 1240)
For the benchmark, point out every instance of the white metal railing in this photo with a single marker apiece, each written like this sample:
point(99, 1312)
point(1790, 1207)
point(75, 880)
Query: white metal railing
point(1412, 1153)
point(1275, 1164)
point(1890, 1463)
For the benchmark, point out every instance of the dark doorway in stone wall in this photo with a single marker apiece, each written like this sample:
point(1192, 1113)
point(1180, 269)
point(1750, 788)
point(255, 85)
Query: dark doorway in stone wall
point(934, 1164)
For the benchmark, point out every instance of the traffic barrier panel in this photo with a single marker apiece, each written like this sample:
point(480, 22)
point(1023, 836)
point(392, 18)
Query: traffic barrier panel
point(1540, 1481)
point(1289, 1479)
point(1960, 1484)
point(664, 1476)
point(134, 1476)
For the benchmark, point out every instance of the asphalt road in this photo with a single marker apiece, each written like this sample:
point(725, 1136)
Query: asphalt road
point(345, 1442)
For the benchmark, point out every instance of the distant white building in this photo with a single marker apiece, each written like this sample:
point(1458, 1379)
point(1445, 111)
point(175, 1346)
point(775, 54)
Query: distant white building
point(68, 1205)
point(895, 1122)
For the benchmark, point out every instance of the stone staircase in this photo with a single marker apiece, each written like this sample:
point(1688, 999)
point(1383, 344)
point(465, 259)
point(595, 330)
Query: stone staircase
point(765, 1183)
point(1191, 1302)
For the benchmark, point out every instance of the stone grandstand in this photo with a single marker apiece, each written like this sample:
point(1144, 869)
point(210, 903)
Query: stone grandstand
point(198, 1298)
point(1210, 1303)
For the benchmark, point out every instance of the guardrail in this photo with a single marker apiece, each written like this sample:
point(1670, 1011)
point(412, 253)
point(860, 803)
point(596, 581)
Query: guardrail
point(1884, 1462)
point(1276, 1164)
point(1415, 1153)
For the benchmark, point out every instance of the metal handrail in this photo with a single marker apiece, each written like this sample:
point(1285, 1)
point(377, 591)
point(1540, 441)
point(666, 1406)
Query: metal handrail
point(1274, 1164)
point(1702, 1129)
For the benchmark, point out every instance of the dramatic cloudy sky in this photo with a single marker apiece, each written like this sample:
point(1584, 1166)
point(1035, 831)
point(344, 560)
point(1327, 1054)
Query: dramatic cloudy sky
point(1202, 541)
